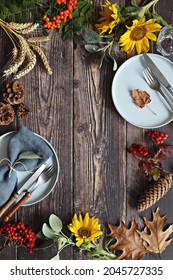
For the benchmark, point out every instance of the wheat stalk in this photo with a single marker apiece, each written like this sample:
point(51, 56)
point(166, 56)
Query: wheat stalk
point(19, 26)
point(22, 54)
point(19, 60)
point(38, 39)
point(28, 30)
point(43, 58)
point(31, 58)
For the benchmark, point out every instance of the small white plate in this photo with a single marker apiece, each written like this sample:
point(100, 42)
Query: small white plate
point(43, 190)
point(128, 77)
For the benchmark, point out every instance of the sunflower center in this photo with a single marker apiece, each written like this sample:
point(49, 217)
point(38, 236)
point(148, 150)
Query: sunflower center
point(84, 232)
point(138, 33)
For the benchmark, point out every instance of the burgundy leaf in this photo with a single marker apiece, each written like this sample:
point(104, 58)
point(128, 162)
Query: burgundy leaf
point(163, 152)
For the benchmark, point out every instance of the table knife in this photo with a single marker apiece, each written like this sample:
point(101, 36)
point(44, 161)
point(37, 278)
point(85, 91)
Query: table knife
point(157, 73)
point(24, 187)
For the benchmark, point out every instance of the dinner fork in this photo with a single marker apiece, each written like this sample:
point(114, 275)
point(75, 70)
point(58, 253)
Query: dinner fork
point(154, 84)
point(44, 177)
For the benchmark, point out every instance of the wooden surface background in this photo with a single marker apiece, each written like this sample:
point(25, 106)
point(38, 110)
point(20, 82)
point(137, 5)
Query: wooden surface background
point(73, 110)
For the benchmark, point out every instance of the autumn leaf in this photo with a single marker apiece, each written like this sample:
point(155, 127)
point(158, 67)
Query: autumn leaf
point(128, 241)
point(163, 152)
point(154, 235)
point(149, 168)
point(141, 98)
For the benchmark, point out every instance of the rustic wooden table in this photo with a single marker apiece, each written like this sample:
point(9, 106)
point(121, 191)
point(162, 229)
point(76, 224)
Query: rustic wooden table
point(73, 110)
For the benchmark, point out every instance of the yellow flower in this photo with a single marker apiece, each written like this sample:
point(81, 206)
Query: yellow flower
point(85, 230)
point(109, 18)
point(138, 35)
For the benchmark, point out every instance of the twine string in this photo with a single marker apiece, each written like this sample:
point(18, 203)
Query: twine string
point(11, 166)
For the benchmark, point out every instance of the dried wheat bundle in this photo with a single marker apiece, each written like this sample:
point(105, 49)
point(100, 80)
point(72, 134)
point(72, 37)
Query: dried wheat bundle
point(24, 49)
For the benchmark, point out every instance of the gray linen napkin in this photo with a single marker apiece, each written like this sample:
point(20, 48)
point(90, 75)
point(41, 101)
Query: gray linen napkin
point(23, 140)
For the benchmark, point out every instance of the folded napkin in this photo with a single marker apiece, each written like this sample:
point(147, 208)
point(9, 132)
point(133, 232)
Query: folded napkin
point(24, 140)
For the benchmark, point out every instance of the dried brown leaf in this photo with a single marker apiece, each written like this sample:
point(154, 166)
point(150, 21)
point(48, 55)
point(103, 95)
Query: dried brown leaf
point(128, 241)
point(157, 238)
point(141, 98)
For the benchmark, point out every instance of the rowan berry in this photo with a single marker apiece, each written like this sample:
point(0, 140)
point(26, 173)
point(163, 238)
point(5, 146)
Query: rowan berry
point(19, 234)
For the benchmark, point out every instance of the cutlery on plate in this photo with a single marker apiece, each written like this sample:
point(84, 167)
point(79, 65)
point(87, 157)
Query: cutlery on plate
point(154, 84)
point(24, 187)
point(43, 178)
point(157, 73)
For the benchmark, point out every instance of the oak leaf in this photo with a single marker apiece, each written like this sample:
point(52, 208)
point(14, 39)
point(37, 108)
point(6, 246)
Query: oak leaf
point(154, 235)
point(128, 241)
point(141, 98)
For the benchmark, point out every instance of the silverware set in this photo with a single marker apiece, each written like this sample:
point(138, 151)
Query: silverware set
point(42, 175)
point(155, 78)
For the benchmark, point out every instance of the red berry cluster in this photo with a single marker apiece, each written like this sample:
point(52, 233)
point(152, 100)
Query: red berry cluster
point(62, 15)
point(156, 136)
point(19, 234)
point(137, 149)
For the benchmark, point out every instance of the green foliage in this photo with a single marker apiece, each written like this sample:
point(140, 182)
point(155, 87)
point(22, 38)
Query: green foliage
point(19, 11)
point(51, 234)
point(77, 27)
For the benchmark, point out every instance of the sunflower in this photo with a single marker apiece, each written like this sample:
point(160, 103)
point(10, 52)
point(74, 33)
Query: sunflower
point(109, 17)
point(85, 230)
point(138, 35)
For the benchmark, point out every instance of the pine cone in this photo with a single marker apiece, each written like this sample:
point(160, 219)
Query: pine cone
point(14, 93)
point(21, 110)
point(154, 192)
point(6, 114)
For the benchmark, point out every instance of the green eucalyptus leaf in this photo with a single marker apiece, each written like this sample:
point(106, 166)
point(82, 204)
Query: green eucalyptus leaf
point(92, 48)
point(56, 257)
point(61, 241)
point(41, 236)
point(55, 223)
point(159, 19)
point(48, 232)
point(90, 36)
point(30, 155)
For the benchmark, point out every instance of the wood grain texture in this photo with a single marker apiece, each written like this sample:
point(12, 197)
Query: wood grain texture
point(73, 110)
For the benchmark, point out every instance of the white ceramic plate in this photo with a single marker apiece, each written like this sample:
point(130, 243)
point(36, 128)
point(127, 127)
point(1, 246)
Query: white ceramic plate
point(128, 77)
point(43, 190)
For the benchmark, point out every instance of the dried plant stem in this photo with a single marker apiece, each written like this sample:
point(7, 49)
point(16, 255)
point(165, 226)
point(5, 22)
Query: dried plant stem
point(19, 60)
point(31, 58)
point(43, 58)
point(19, 26)
point(38, 39)
point(23, 56)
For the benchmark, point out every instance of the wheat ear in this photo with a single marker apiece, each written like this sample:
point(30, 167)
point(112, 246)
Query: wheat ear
point(43, 58)
point(19, 60)
point(38, 39)
point(31, 58)
point(28, 30)
point(19, 26)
